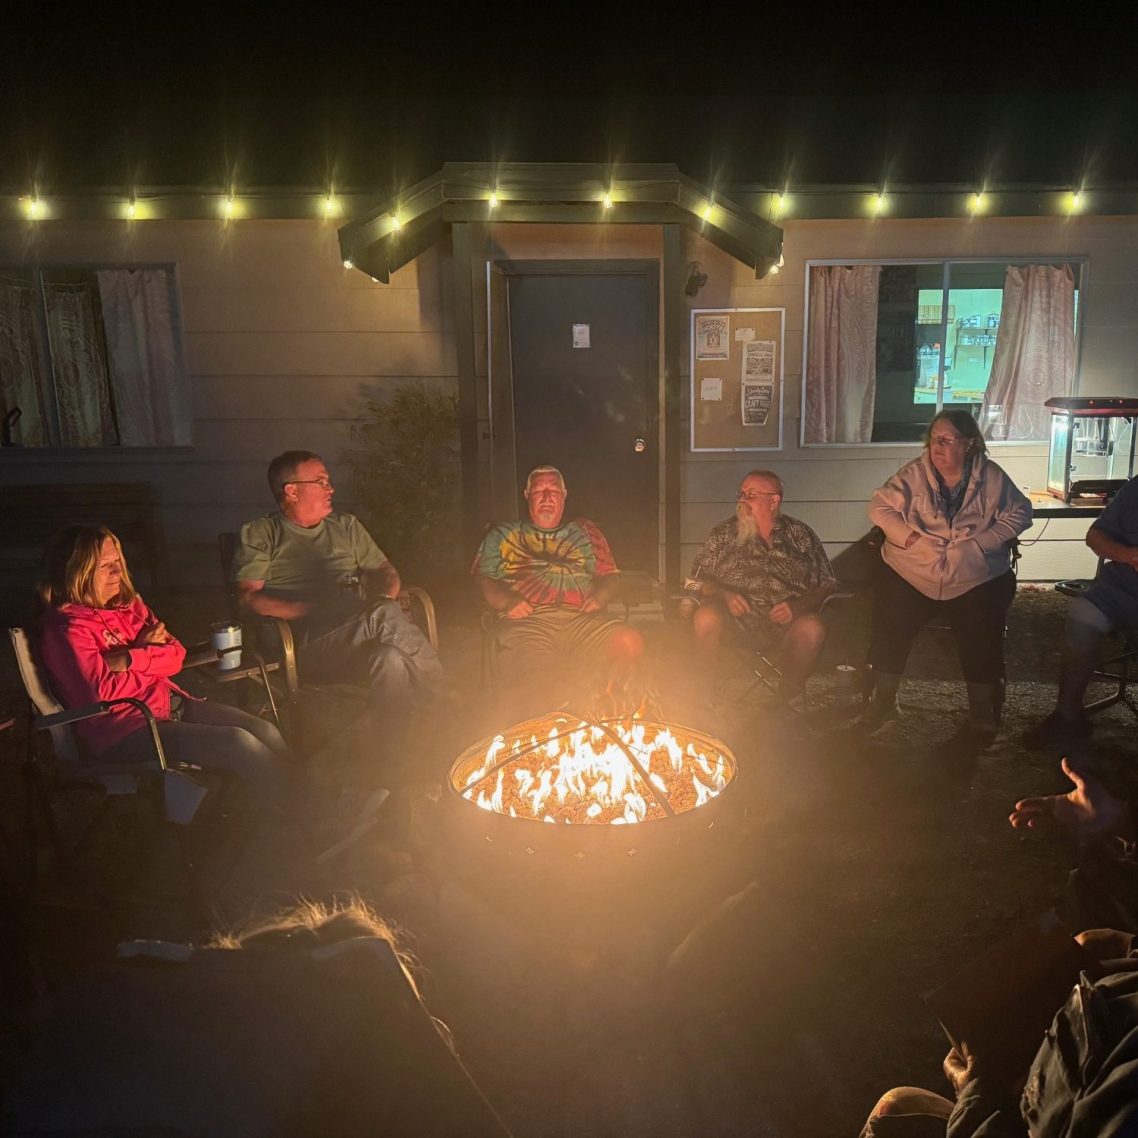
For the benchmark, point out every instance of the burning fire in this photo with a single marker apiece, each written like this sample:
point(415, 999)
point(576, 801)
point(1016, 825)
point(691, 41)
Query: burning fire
point(566, 769)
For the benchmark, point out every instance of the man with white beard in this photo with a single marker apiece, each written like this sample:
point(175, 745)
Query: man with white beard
point(762, 576)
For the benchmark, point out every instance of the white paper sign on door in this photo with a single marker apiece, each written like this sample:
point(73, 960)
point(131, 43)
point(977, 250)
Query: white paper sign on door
point(580, 335)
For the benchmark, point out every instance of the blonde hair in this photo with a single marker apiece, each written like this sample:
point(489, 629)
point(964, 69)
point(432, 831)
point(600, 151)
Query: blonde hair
point(69, 564)
point(316, 923)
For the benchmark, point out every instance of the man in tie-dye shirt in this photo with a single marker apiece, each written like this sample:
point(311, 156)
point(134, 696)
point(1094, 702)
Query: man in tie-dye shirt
point(550, 580)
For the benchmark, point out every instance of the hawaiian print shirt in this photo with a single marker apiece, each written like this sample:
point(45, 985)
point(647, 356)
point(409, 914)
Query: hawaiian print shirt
point(793, 564)
point(547, 567)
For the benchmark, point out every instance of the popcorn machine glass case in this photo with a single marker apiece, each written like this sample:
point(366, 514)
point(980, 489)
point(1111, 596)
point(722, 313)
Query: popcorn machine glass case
point(1092, 446)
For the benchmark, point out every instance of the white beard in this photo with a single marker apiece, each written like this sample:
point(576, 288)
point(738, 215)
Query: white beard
point(746, 528)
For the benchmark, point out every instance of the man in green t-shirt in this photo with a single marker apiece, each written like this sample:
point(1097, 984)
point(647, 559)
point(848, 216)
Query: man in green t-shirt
point(303, 563)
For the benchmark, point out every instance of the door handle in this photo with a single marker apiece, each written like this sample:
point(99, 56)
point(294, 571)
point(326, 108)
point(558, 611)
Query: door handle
point(639, 445)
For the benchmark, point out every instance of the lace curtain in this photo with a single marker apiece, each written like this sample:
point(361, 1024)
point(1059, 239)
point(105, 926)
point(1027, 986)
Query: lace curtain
point(1034, 356)
point(147, 373)
point(841, 364)
point(112, 371)
point(22, 361)
point(79, 367)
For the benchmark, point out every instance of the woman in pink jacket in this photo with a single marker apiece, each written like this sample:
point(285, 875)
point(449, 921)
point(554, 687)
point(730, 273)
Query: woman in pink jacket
point(950, 518)
point(98, 640)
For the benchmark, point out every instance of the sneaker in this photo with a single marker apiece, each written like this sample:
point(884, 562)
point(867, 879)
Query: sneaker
point(1058, 731)
point(876, 715)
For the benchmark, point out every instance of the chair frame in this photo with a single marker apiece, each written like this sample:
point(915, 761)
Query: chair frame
point(72, 771)
point(761, 665)
point(1124, 661)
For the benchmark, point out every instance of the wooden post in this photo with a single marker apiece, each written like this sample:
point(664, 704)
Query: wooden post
point(673, 308)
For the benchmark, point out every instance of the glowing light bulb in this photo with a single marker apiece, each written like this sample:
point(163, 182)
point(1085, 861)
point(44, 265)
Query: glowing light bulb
point(330, 205)
point(878, 202)
point(396, 224)
point(229, 206)
point(348, 263)
point(774, 269)
point(779, 203)
point(781, 261)
point(493, 201)
point(131, 211)
point(606, 201)
point(33, 207)
point(977, 202)
point(1075, 202)
point(707, 212)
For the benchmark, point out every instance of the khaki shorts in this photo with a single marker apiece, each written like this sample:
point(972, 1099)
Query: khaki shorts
point(564, 635)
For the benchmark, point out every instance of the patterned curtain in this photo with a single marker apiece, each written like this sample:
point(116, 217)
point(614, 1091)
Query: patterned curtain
point(841, 364)
point(148, 375)
point(82, 391)
point(22, 361)
point(1034, 356)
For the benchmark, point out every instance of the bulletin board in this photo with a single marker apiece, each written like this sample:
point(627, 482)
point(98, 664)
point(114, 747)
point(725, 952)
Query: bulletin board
point(736, 378)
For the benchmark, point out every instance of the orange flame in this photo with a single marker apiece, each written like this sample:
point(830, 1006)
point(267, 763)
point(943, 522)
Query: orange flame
point(560, 769)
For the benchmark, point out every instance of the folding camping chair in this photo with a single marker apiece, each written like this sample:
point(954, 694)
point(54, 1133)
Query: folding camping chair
point(176, 795)
point(1119, 669)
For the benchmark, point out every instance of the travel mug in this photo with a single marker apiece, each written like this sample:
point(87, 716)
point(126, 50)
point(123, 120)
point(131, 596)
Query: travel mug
point(225, 636)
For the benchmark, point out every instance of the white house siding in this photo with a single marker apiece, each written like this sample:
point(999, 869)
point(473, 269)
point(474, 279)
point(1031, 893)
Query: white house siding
point(829, 486)
point(283, 347)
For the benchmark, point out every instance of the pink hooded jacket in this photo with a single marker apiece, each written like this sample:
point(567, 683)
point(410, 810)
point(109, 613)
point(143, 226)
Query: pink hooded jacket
point(74, 642)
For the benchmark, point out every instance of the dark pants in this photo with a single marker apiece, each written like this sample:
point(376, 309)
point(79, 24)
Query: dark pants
point(374, 645)
point(977, 619)
point(217, 736)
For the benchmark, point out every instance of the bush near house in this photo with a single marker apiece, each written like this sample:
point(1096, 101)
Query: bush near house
point(407, 483)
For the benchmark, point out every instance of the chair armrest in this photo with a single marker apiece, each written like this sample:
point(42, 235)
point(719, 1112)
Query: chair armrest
point(64, 718)
point(288, 651)
point(199, 654)
point(422, 598)
point(839, 595)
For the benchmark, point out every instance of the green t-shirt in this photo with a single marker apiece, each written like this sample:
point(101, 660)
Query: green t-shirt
point(301, 563)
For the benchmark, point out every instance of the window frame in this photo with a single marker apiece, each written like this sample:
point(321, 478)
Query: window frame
point(1082, 260)
point(37, 271)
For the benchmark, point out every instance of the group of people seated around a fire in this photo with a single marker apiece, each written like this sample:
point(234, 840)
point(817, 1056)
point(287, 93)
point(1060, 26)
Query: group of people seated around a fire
point(949, 522)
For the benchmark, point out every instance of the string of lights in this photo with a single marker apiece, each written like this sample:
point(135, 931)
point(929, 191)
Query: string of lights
point(816, 202)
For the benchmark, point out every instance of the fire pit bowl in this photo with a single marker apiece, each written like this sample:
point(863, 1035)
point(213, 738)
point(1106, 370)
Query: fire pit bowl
point(567, 783)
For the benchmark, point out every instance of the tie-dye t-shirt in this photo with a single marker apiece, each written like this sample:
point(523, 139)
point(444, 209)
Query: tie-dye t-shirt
point(546, 566)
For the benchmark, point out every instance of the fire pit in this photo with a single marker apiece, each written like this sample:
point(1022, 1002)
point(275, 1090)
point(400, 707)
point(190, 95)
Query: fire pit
point(587, 772)
point(574, 783)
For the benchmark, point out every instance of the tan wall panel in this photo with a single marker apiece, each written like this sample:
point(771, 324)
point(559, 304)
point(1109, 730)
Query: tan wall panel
point(293, 396)
point(320, 353)
point(311, 309)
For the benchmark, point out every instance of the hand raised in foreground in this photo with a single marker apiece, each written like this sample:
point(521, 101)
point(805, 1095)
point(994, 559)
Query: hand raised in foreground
point(959, 1068)
point(1088, 811)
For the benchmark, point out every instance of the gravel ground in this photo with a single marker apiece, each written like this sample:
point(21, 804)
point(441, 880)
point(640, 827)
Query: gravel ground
point(864, 872)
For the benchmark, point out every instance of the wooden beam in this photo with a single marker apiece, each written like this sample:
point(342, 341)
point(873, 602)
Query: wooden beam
point(673, 308)
point(462, 267)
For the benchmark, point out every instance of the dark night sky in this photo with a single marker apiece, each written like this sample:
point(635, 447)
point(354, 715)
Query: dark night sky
point(298, 94)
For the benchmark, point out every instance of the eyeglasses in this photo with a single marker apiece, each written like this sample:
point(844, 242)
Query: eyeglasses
point(323, 483)
point(946, 440)
point(741, 497)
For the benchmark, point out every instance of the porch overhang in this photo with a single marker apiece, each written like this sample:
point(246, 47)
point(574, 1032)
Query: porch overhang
point(397, 231)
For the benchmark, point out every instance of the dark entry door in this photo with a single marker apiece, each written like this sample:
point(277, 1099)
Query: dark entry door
point(591, 411)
